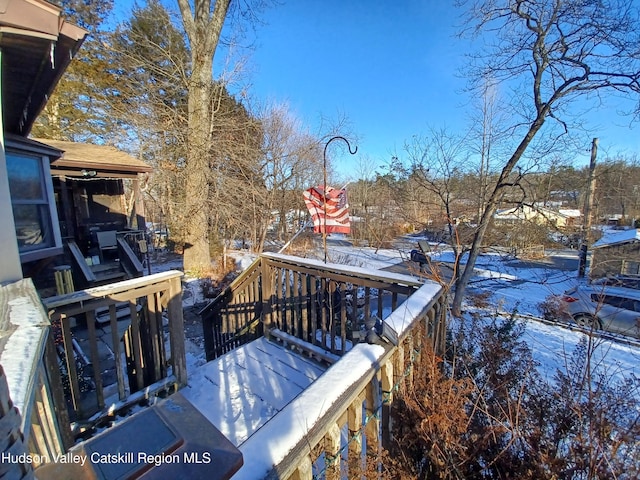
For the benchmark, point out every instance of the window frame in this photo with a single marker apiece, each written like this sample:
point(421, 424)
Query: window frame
point(43, 154)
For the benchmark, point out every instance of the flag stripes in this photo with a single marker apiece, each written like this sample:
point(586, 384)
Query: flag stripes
point(337, 208)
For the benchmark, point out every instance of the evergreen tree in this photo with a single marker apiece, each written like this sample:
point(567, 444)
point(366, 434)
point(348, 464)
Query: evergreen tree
point(77, 109)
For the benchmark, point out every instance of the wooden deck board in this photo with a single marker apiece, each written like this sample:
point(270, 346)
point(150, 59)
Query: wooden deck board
point(242, 390)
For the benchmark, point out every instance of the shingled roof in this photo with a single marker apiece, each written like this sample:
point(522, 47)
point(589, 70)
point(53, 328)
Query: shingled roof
point(102, 159)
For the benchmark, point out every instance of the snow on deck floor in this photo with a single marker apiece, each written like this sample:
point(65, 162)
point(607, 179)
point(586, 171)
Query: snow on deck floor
point(242, 390)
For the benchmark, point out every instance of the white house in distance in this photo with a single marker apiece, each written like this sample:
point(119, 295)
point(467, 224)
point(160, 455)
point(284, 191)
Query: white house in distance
point(561, 218)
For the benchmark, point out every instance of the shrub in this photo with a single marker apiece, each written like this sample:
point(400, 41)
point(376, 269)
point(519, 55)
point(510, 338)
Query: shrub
point(553, 308)
point(485, 412)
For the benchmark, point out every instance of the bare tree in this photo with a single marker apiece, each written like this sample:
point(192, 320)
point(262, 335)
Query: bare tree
point(437, 163)
point(553, 53)
point(291, 157)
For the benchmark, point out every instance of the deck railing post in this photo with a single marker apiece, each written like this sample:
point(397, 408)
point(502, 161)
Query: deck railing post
point(267, 292)
point(176, 332)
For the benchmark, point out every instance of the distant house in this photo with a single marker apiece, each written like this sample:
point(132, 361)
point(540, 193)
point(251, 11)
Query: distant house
point(561, 218)
point(617, 252)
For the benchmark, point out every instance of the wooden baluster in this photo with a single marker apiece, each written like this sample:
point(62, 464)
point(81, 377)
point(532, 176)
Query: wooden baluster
point(332, 315)
point(343, 318)
point(70, 363)
point(305, 300)
point(354, 414)
point(135, 345)
point(277, 300)
point(323, 312)
point(374, 412)
point(115, 340)
point(332, 452)
point(155, 332)
point(399, 367)
point(95, 359)
point(367, 303)
point(288, 302)
point(267, 292)
point(386, 373)
point(299, 306)
point(353, 314)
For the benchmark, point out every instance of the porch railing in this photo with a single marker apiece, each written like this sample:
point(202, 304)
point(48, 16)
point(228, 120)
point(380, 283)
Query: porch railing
point(324, 309)
point(329, 438)
point(143, 356)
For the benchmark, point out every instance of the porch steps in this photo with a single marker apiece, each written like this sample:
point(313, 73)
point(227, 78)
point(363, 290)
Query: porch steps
point(108, 272)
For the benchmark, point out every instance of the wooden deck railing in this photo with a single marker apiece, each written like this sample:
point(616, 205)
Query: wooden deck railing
point(133, 330)
point(32, 416)
point(325, 307)
point(348, 407)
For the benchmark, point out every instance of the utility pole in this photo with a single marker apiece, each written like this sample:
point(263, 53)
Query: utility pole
point(588, 206)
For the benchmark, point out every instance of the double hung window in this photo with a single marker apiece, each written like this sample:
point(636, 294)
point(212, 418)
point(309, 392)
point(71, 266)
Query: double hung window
point(33, 205)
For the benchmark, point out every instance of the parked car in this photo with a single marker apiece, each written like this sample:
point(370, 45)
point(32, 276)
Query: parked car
point(627, 281)
point(611, 308)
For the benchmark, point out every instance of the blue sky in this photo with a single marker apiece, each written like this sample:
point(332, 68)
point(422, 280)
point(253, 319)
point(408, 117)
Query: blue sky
point(393, 68)
point(390, 67)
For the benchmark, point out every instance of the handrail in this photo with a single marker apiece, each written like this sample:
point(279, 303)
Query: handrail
point(138, 338)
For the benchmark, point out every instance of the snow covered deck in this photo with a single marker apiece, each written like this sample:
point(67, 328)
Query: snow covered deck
point(244, 389)
point(284, 410)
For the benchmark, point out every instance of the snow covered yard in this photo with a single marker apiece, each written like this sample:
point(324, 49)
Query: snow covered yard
point(504, 283)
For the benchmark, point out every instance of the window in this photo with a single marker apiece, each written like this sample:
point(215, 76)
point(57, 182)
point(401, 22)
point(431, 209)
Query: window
point(621, 302)
point(33, 205)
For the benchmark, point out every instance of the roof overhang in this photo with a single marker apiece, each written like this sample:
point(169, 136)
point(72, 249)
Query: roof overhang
point(36, 47)
point(89, 160)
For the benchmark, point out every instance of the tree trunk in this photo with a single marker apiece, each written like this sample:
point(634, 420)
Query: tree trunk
point(203, 29)
point(489, 210)
point(196, 250)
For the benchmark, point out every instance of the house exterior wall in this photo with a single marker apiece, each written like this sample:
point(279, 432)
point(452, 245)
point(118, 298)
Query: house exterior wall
point(610, 260)
point(10, 268)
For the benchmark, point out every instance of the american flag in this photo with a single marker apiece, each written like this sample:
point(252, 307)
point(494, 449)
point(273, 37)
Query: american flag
point(337, 220)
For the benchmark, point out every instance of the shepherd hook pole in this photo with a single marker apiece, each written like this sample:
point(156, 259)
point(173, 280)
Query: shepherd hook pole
point(324, 187)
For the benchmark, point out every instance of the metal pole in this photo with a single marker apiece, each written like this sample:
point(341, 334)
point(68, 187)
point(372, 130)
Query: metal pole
point(324, 188)
point(588, 205)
